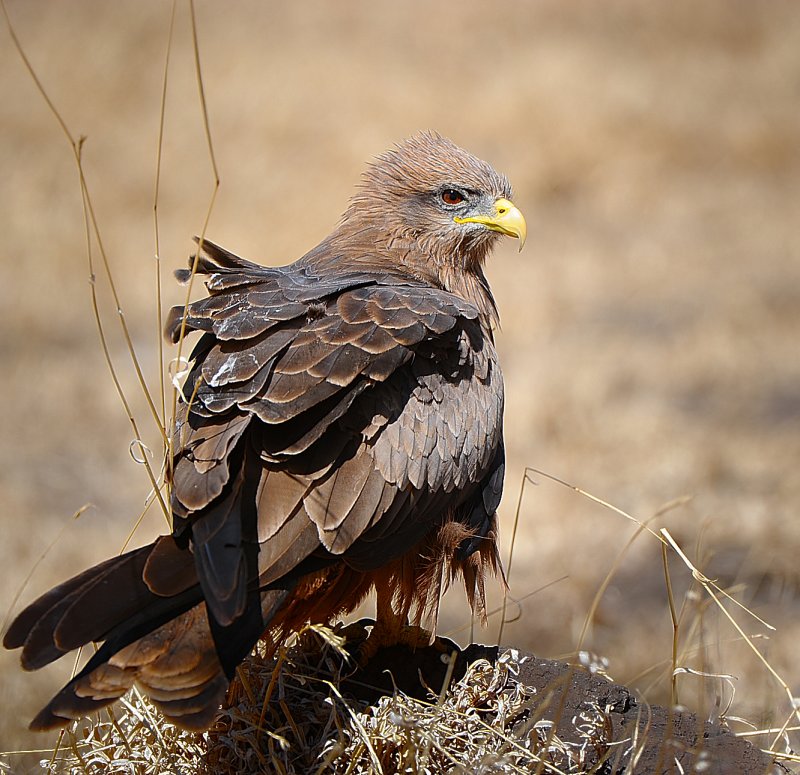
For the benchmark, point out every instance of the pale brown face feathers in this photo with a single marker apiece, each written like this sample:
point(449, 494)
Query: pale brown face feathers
point(344, 433)
point(409, 197)
point(424, 166)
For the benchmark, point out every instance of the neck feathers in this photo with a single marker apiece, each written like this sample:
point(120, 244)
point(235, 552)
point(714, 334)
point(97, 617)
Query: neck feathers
point(457, 268)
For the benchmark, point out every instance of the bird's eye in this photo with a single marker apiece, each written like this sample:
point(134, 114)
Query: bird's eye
point(452, 197)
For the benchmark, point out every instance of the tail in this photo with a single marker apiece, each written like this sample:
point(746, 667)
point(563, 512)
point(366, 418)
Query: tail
point(147, 608)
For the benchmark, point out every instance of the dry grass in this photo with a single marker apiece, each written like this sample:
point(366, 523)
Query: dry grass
point(650, 329)
point(487, 722)
point(306, 710)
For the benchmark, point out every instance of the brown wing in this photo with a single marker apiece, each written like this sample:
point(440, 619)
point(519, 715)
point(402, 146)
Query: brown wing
point(357, 401)
point(333, 424)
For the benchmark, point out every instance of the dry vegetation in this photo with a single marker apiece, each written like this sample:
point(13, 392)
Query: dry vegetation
point(486, 722)
point(310, 709)
point(650, 327)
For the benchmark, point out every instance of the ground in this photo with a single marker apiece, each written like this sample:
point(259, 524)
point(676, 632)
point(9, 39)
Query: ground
point(650, 327)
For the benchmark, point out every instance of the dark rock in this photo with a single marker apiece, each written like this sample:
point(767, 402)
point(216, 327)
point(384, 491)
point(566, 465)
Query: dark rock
point(655, 739)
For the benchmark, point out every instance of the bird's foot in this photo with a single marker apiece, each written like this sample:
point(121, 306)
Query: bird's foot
point(411, 636)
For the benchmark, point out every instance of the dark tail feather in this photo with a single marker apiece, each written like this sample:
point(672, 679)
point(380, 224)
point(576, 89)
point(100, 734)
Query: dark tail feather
point(177, 665)
point(95, 604)
point(74, 702)
point(147, 608)
point(38, 627)
point(20, 628)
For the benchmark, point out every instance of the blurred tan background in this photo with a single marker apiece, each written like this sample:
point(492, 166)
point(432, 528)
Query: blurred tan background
point(650, 327)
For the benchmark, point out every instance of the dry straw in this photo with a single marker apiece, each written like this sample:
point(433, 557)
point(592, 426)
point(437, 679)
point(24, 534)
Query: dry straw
point(285, 714)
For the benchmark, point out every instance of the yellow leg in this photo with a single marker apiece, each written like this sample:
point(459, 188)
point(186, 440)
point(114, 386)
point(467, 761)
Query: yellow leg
point(391, 629)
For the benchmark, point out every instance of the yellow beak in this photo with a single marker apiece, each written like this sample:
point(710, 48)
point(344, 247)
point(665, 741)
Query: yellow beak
point(507, 220)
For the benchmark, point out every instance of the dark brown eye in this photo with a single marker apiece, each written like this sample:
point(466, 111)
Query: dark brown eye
point(452, 197)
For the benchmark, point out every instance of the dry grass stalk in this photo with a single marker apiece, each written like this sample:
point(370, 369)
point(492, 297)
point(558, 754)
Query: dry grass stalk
point(285, 714)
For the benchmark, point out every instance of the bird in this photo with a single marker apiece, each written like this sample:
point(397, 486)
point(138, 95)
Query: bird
point(339, 431)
